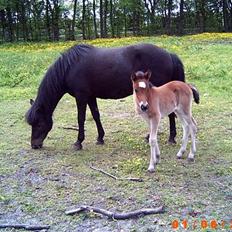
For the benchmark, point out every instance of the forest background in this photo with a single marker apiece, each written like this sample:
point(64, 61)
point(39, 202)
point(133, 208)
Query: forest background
point(55, 20)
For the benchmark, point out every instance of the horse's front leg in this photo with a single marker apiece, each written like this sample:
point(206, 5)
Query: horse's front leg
point(155, 152)
point(172, 127)
point(92, 102)
point(81, 108)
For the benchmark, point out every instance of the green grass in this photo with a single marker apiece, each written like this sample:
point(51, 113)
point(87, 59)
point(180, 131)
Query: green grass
point(38, 185)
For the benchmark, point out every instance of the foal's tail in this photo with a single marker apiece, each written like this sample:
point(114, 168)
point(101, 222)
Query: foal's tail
point(196, 94)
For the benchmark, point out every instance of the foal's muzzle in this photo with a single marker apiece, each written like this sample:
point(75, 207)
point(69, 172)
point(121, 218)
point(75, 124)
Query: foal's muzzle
point(144, 107)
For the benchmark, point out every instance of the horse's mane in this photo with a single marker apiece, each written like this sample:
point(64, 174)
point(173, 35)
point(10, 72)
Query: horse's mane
point(53, 86)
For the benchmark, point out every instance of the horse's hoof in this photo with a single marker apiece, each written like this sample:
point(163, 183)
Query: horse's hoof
point(100, 142)
point(77, 146)
point(171, 141)
point(191, 160)
point(36, 146)
point(147, 138)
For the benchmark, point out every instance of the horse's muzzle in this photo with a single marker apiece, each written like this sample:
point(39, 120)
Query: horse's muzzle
point(144, 108)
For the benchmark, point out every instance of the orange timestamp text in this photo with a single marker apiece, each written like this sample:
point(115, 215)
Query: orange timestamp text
point(203, 224)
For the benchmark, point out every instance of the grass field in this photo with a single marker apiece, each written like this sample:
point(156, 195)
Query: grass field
point(37, 186)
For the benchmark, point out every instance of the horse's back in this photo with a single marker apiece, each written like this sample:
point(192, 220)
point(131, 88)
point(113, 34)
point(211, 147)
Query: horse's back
point(105, 72)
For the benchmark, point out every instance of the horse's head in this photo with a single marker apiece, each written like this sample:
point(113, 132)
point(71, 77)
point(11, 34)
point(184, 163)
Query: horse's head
point(41, 124)
point(141, 87)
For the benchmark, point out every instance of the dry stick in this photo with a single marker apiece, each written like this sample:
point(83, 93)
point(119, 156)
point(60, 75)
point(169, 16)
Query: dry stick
point(24, 226)
point(69, 128)
point(117, 216)
point(115, 177)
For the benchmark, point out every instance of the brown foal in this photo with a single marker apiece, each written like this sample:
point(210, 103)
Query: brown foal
point(153, 103)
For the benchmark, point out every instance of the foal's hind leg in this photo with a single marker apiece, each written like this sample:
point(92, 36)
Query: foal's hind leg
point(185, 127)
point(193, 130)
point(92, 102)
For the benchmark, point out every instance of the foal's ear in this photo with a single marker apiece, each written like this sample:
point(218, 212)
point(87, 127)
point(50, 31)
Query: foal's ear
point(147, 74)
point(133, 76)
point(32, 101)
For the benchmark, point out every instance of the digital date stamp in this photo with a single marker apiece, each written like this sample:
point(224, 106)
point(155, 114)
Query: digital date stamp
point(201, 224)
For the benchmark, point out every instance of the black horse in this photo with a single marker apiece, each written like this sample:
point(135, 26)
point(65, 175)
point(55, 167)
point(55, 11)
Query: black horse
point(87, 73)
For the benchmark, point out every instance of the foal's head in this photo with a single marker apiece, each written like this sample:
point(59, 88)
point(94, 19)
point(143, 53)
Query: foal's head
point(141, 86)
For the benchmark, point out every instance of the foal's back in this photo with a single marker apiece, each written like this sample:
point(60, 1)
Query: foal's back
point(175, 95)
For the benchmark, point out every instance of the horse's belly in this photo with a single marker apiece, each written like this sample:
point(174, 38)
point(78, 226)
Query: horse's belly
point(113, 94)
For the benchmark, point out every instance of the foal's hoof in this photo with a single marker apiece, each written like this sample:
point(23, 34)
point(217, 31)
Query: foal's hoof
point(171, 141)
point(179, 157)
point(100, 142)
point(77, 146)
point(151, 170)
point(191, 160)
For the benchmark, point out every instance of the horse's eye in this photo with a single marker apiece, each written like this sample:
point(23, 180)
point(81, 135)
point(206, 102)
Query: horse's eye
point(136, 91)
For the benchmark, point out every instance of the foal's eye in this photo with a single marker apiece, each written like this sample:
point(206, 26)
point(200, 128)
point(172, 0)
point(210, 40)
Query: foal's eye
point(136, 91)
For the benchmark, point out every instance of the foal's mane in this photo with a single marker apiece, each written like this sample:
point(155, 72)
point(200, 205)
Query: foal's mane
point(53, 86)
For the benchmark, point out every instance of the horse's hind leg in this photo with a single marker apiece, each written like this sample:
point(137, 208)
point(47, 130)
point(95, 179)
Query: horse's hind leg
point(81, 108)
point(172, 123)
point(92, 102)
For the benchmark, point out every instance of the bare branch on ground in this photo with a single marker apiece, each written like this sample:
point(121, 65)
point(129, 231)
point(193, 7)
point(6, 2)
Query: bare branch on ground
point(115, 215)
point(115, 177)
point(25, 226)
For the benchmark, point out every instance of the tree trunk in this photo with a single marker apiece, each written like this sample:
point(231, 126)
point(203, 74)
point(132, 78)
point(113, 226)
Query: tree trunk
point(101, 19)
point(230, 25)
point(83, 19)
point(169, 17)
point(125, 21)
point(56, 20)
point(10, 24)
point(112, 18)
point(72, 35)
point(94, 19)
point(105, 18)
point(200, 14)
point(88, 22)
point(3, 23)
point(181, 18)
point(24, 22)
point(48, 24)
point(225, 15)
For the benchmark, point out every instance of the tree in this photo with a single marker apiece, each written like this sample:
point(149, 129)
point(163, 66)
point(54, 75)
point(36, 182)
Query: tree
point(94, 19)
point(181, 18)
point(72, 36)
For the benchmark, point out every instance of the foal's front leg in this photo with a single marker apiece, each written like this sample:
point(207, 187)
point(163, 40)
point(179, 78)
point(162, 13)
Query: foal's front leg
point(155, 152)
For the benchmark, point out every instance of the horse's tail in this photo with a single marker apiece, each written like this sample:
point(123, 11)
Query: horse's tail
point(178, 70)
point(196, 95)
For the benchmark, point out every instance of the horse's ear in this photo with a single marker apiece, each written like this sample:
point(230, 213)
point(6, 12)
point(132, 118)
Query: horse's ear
point(133, 76)
point(148, 74)
point(32, 101)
